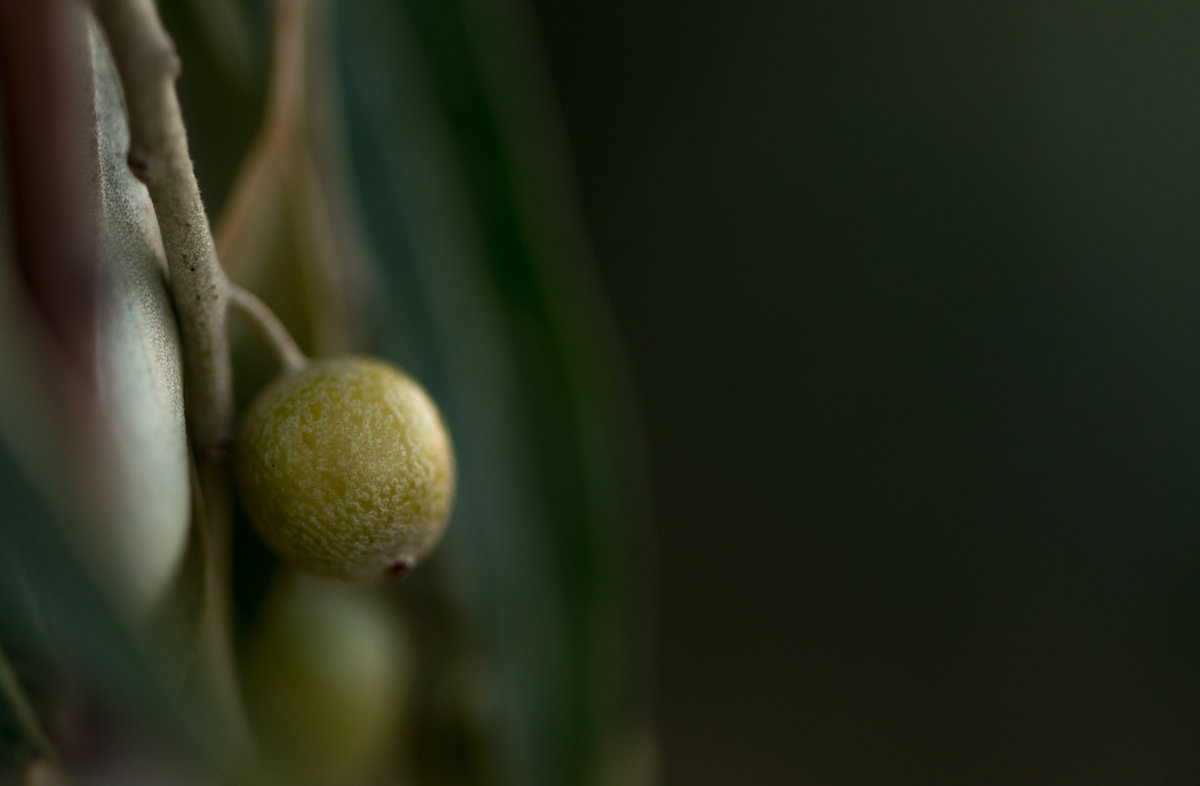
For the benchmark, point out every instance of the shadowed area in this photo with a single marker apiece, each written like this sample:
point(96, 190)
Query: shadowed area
point(911, 291)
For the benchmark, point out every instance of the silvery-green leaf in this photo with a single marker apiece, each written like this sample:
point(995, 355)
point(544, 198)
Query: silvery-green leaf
point(58, 589)
point(139, 365)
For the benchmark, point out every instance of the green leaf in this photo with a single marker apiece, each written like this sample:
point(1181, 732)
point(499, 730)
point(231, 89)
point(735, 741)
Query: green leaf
point(447, 326)
point(139, 364)
point(495, 307)
point(95, 526)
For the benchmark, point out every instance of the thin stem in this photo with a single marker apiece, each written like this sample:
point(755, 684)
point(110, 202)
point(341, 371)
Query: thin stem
point(22, 708)
point(268, 326)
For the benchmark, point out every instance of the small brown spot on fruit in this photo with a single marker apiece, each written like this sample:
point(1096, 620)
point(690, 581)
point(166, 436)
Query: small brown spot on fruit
point(400, 568)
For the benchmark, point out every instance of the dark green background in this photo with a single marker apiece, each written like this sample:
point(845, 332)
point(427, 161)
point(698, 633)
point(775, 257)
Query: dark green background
point(912, 295)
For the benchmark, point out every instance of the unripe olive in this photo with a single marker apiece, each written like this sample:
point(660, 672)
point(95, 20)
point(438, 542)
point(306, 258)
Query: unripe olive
point(346, 468)
point(326, 675)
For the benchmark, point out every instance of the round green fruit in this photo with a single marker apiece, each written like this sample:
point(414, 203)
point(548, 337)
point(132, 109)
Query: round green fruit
point(346, 469)
point(326, 673)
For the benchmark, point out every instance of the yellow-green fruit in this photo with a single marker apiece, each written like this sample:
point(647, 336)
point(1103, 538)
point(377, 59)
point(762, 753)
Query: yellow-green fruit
point(346, 468)
point(326, 674)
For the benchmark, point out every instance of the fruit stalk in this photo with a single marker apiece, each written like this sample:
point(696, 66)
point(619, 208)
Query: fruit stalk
point(269, 327)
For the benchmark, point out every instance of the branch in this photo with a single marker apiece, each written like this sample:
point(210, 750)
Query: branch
point(158, 155)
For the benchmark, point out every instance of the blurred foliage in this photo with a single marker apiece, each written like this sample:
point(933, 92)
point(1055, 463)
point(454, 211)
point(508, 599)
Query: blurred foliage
point(440, 150)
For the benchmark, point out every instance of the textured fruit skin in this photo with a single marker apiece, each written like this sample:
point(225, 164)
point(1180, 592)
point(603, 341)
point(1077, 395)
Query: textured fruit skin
point(327, 673)
point(346, 469)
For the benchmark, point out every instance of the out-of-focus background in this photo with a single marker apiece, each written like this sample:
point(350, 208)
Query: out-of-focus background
point(912, 295)
point(900, 303)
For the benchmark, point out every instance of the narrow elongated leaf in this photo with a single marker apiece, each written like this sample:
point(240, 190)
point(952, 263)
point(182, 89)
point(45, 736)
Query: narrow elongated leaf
point(493, 308)
point(139, 364)
point(525, 195)
point(448, 328)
